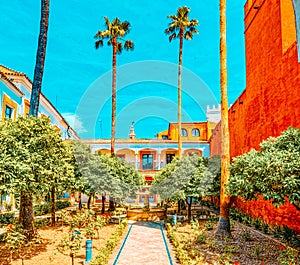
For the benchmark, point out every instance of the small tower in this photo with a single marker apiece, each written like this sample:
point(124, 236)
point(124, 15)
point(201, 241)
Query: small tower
point(213, 114)
point(132, 133)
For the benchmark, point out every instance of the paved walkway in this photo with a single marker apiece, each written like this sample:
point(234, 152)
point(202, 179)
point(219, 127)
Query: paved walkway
point(145, 244)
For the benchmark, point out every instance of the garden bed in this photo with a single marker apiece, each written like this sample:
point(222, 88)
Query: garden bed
point(45, 250)
point(196, 244)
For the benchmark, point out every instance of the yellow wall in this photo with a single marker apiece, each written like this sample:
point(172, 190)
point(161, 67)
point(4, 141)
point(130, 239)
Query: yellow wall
point(201, 126)
point(160, 135)
point(9, 102)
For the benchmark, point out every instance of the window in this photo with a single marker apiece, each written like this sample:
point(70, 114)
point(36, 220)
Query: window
point(195, 132)
point(169, 158)
point(8, 112)
point(147, 160)
point(184, 132)
point(165, 137)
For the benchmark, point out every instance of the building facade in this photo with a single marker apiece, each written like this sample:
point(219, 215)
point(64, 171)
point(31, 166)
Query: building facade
point(15, 92)
point(270, 102)
point(148, 156)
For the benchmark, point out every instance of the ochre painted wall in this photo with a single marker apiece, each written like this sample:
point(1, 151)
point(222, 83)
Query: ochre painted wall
point(286, 214)
point(271, 101)
point(201, 126)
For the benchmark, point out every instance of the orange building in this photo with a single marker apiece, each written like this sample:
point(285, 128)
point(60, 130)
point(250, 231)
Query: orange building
point(270, 102)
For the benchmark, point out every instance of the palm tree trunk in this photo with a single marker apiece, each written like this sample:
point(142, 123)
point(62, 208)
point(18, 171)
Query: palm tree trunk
point(113, 97)
point(53, 206)
point(224, 222)
point(179, 93)
point(26, 214)
point(40, 59)
point(296, 4)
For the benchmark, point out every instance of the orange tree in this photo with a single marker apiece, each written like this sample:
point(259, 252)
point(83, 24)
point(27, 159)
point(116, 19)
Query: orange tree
point(187, 179)
point(273, 171)
point(33, 161)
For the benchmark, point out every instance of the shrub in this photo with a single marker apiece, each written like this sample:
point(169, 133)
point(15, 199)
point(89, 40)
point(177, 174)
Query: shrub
point(104, 253)
point(45, 208)
point(7, 218)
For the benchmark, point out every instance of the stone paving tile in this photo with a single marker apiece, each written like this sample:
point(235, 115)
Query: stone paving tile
point(144, 246)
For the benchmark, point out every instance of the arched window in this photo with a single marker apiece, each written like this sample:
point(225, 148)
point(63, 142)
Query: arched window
point(195, 132)
point(184, 132)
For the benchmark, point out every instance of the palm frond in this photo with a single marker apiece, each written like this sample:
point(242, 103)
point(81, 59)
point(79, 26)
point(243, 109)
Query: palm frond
point(173, 17)
point(194, 22)
point(172, 37)
point(125, 25)
point(170, 30)
point(129, 45)
point(116, 22)
point(188, 35)
point(119, 47)
point(102, 34)
point(99, 43)
point(107, 22)
point(181, 23)
point(183, 12)
point(115, 30)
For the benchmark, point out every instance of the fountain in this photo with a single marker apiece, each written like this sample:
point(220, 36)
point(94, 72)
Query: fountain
point(146, 213)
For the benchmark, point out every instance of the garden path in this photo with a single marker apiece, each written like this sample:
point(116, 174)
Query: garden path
point(144, 244)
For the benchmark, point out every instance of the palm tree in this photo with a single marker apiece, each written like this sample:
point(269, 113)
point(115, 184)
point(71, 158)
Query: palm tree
point(26, 204)
point(40, 59)
point(224, 222)
point(114, 32)
point(180, 27)
point(296, 5)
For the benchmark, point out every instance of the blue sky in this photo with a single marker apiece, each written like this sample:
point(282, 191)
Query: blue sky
point(77, 76)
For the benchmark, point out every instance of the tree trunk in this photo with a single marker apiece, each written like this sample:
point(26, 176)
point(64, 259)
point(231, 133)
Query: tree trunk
point(80, 203)
point(189, 203)
point(103, 204)
point(113, 97)
point(179, 93)
point(224, 222)
point(89, 202)
point(179, 207)
point(26, 217)
point(40, 59)
point(111, 204)
point(53, 206)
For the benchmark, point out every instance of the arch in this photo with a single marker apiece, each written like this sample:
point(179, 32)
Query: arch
point(192, 151)
point(102, 151)
point(195, 132)
point(184, 132)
